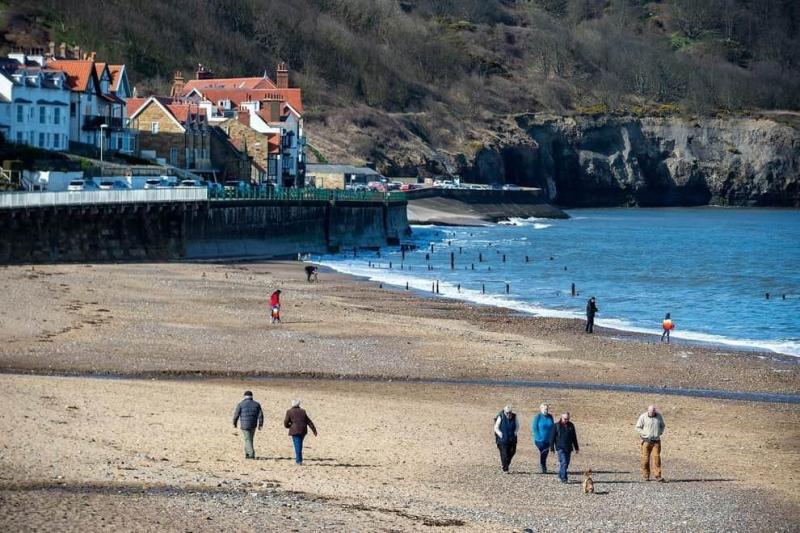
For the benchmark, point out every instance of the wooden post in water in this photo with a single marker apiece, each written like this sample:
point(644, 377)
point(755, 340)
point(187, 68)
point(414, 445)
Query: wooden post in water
point(458, 288)
point(452, 261)
point(459, 250)
point(508, 288)
point(433, 287)
point(526, 258)
point(504, 258)
point(406, 285)
point(480, 257)
point(473, 266)
point(483, 288)
point(573, 289)
point(437, 286)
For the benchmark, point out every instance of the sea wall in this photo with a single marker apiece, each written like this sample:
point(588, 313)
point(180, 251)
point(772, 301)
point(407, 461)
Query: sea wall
point(195, 230)
point(624, 161)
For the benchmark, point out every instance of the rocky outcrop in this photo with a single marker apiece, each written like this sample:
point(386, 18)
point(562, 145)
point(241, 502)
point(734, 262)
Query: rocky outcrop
point(618, 161)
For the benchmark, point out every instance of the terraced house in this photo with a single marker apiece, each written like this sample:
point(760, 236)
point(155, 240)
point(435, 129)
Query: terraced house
point(34, 103)
point(261, 118)
point(172, 132)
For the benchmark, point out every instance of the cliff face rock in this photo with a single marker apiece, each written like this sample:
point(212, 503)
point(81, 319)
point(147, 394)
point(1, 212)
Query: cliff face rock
point(649, 162)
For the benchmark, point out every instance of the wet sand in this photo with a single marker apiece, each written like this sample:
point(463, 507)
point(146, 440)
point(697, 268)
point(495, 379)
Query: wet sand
point(82, 453)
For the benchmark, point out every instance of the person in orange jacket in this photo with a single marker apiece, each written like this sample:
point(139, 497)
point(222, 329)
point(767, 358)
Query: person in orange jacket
point(668, 326)
point(275, 306)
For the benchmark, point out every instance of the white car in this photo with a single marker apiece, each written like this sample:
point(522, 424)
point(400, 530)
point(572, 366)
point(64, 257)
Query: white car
point(190, 183)
point(82, 185)
point(152, 183)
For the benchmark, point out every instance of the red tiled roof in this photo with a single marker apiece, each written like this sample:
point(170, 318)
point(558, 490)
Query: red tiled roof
point(230, 83)
point(183, 113)
point(134, 104)
point(294, 96)
point(274, 143)
point(78, 72)
point(115, 71)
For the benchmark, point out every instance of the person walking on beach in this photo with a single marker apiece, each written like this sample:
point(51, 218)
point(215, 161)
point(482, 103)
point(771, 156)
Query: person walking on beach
point(506, 427)
point(564, 440)
point(650, 427)
point(541, 430)
point(591, 310)
point(249, 415)
point(668, 326)
point(298, 422)
point(275, 306)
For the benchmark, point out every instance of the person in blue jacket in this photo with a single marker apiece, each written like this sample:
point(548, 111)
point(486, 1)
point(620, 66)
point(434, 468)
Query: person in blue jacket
point(541, 429)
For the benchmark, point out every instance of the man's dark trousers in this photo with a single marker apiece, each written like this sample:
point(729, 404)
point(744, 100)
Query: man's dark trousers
point(507, 451)
point(563, 463)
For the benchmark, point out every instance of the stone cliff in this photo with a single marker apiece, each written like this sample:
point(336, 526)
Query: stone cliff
point(624, 161)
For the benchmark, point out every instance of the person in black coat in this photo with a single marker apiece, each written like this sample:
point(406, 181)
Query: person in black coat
point(591, 310)
point(564, 440)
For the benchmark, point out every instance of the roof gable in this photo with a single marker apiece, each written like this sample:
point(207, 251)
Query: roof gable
point(81, 75)
point(162, 106)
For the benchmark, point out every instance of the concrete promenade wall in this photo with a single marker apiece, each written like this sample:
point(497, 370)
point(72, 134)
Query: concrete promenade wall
point(195, 230)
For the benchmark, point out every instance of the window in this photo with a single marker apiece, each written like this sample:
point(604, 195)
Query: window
point(42, 114)
point(20, 113)
point(56, 139)
point(41, 140)
point(119, 143)
point(173, 156)
point(154, 127)
point(19, 137)
point(72, 109)
point(57, 115)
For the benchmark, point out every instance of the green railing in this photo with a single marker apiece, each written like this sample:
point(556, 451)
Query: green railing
point(330, 195)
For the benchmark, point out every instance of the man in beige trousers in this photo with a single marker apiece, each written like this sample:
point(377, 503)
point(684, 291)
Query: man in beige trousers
point(650, 427)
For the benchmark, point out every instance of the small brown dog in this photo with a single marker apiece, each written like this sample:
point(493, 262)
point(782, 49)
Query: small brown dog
point(588, 484)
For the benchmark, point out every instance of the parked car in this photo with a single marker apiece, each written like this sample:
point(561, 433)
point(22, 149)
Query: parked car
point(116, 185)
point(82, 185)
point(410, 187)
point(239, 186)
point(152, 183)
point(189, 183)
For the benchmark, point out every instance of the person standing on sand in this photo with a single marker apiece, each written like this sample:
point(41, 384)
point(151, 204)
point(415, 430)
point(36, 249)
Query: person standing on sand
point(275, 306)
point(541, 430)
point(650, 427)
point(668, 326)
point(564, 440)
point(249, 415)
point(591, 310)
point(506, 427)
point(298, 422)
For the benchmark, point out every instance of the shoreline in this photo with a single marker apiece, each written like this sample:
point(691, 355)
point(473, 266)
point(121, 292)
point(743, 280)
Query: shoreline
point(626, 335)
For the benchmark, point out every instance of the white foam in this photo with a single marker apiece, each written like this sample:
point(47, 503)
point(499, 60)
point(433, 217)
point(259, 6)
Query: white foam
point(399, 278)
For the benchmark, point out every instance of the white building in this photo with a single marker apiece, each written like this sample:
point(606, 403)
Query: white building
point(34, 104)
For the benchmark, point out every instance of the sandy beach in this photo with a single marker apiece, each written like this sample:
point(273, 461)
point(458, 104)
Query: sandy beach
point(154, 449)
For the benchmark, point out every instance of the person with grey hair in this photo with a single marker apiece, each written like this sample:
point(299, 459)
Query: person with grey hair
point(650, 427)
point(298, 423)
point(541, 428)
point(249, 415)
point(506, 427)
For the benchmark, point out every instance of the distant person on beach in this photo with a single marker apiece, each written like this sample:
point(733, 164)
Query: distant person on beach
point(275, 306)
point(506, 427)
point(298, 422)
point(668, 325)
point(650, 427)
point(311, 272)
point(541, 430)
point(249, 416)
point(591, 310)
point(564, 440)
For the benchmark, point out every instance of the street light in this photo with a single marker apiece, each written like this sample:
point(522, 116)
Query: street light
point(102, 142)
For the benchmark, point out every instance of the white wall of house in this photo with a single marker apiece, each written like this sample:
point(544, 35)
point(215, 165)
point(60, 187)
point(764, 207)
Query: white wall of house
point(34, 112)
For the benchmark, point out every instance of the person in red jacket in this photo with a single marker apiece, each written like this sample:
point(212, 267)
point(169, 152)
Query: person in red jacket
point(275, 305)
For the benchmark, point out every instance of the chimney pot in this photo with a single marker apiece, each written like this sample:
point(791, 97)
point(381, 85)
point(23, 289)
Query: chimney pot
point(63, 50)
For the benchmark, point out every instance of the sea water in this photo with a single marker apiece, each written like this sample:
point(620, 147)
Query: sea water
point(709, 267)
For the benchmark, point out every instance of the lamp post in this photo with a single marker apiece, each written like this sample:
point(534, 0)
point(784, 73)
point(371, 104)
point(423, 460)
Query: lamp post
point(102, 142)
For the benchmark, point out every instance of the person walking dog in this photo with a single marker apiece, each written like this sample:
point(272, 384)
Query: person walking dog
point(541, 429)
point(650, 427)
point(564, 440)
point(298, 423)
point(506, 427)
point(249, 415)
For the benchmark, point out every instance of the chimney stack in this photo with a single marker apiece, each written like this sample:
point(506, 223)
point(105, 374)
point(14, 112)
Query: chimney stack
point(52, 50)
point(282, 78)
point(63, 50)
point(92, 55)
point(177, 85)
point(272, 107)
point(203, 73)
point(76, 52)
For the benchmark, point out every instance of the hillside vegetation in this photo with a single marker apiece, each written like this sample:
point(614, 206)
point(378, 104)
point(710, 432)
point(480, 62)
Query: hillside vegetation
point(435, 72)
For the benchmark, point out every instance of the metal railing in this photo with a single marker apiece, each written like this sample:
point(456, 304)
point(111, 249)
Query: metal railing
point(329, 195)
point(11, 200)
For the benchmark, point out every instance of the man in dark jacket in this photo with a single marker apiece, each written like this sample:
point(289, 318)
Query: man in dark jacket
point(506, 427)
point(249, 415)
point(298, 422)
point(591, 310)
point(563, 440)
